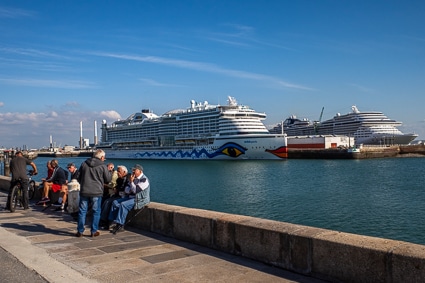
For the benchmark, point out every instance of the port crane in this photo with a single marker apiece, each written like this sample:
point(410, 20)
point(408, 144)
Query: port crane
point(316, 124)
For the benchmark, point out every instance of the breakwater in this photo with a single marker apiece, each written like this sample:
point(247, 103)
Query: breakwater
point(320, 253)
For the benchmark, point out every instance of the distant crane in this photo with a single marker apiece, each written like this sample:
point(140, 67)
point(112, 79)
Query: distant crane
point(316, 124)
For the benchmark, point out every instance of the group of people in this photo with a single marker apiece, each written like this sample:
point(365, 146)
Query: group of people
point(108, 193)
point(57, 181)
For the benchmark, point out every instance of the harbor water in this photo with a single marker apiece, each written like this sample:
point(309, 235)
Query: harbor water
point(376, 197)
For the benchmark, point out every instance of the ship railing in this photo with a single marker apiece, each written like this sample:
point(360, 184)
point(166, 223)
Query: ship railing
point(380, 145)
point(191, 137)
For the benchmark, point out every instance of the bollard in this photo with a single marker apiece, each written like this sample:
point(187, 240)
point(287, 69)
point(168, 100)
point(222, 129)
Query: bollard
point(73, 196)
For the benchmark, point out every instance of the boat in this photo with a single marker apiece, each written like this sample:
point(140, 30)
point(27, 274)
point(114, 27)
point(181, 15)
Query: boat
point(201, 132)
point(368, 128)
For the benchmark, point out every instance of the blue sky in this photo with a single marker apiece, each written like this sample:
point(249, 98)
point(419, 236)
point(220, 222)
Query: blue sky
point(62, 62)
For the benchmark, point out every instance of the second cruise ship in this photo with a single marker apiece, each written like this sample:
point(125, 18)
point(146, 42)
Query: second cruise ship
point(367, 127)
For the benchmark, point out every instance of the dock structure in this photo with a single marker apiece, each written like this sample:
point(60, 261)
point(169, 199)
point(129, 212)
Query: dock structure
point(363, 152)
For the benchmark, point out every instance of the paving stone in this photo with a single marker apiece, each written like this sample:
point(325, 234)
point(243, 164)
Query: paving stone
point(133, 255)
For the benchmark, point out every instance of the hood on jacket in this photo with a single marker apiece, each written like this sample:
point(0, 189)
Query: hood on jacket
point(94, 162)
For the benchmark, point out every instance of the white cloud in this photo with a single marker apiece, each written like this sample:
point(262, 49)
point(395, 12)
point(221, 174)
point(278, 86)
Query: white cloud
point(32, 53)
point(205, 67)
point(72, 104)
point(34, 129)
point(362, 88)
point(152, 82)
point(110, 114)
point(13, 13)
point(66, 84)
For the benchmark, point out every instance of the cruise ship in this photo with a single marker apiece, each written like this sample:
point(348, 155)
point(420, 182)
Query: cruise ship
point(368, 128)
point(202, 131)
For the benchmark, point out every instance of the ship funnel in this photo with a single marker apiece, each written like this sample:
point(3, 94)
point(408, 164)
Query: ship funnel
point(95, 132)
point(81, 134)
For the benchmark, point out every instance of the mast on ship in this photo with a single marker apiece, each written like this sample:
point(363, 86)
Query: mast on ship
point(232, 101)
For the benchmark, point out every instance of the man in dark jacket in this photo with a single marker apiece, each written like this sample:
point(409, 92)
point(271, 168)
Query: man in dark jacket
point(93, 175)
point(54, 183)
point(18, 168)
point(61, 202)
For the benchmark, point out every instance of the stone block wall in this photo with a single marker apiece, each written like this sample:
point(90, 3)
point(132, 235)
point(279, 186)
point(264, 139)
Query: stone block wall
point(320, 253)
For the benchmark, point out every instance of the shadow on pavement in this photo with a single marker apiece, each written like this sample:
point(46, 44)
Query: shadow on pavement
point(35, 229)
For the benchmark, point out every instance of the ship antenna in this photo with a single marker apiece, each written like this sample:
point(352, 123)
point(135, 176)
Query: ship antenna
point(232, 101)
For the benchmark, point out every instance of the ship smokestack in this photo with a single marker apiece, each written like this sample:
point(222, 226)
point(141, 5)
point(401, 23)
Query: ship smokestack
point(95, 132)
point(81, 134)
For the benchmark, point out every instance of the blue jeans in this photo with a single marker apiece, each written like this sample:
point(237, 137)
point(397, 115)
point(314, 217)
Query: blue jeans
point(120, 209)
point(106, 208)
point(83, 207)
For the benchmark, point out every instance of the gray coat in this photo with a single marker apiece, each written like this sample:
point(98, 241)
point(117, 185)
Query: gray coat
point(93, 175)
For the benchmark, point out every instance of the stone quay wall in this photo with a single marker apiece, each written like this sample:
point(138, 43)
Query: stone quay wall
point(319, 253)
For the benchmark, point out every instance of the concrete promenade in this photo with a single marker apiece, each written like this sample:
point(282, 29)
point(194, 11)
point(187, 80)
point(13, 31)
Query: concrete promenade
point(44, 241)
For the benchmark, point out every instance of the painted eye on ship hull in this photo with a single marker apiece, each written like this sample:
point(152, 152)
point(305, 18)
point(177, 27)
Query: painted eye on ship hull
point(231, 149)
point(232, 152)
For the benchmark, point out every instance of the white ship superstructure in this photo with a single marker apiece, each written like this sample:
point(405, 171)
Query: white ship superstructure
point(369, 128)
point(203, 131)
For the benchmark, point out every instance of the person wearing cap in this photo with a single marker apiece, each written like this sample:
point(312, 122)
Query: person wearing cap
point(93, 175)
point(60, 204)
point(137, 195)
point(18, 169)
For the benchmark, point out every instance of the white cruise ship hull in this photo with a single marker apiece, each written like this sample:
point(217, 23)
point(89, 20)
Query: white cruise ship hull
point(384, 139)
point(256, 147)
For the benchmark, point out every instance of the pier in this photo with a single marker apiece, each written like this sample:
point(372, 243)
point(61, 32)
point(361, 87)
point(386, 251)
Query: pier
point(363, 152)
point(274, 249)
point(347, 153)
point(74, 153)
